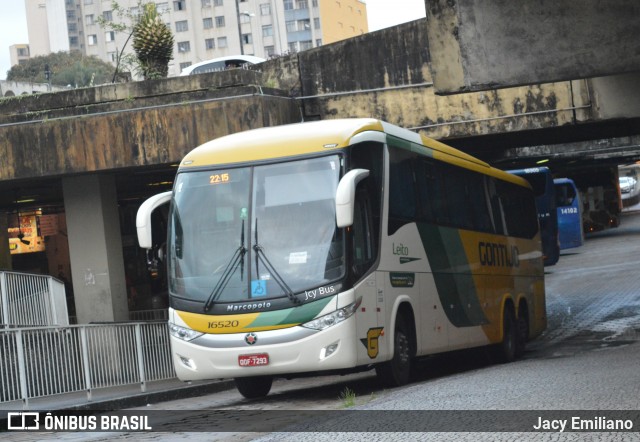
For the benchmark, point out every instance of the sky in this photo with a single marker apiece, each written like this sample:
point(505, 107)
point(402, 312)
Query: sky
point(381, 14)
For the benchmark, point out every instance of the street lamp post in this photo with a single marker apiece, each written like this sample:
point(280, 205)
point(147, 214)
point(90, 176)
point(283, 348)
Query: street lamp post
point(239, 28)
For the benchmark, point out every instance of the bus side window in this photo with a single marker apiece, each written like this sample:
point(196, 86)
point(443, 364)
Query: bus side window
point(565, 194)
point(432, 199)
point(519, 210)
point(456, 181)
point(478, 203)
point(402, 195)
point(497, 215)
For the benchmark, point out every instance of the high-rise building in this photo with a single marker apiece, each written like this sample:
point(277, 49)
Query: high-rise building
point(19, 53)
point(49, 24)
point(203, 29)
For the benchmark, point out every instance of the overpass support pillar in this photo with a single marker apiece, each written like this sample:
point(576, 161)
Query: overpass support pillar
point(95, 248)
point(5, 254)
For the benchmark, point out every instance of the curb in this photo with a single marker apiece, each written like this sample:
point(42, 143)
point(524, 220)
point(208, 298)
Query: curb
point(142, 399)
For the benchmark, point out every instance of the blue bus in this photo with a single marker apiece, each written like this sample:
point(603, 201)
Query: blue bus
point(569, 208)
point(542, 183)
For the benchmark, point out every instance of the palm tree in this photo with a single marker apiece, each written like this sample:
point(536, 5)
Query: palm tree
point(152, 43)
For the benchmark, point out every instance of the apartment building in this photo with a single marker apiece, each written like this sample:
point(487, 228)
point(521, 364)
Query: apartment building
point(18, 53)
point(203, 29)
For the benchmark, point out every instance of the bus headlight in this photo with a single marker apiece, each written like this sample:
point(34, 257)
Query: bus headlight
point(332, 318)
point(186, 334)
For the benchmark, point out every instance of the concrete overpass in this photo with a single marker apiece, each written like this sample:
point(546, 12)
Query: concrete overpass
point(91, 155)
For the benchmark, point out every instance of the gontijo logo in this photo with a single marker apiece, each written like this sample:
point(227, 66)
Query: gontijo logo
point(498, 255)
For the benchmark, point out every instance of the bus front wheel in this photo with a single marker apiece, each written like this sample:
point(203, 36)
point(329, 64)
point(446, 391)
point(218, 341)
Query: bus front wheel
point(254, 387)
point(397, 371)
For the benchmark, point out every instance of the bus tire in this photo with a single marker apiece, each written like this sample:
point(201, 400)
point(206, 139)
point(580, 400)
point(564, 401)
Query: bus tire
point(397, 371)
point(523, 331)
point(254, 387)
point(506, 350)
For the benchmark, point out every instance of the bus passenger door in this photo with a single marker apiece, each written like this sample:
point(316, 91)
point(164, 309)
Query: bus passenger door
point(365, 248)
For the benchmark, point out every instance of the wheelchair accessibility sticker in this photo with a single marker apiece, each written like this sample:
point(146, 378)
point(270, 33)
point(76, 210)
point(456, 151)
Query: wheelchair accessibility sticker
point(258, 288)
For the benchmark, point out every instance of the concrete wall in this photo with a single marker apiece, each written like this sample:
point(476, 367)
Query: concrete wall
point(12, 88)
point(387, 75)
point(129, 125)
point(480, 45)
point(617, 96)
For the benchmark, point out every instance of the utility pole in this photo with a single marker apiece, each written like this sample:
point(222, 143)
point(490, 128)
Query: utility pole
point(47, 75)
point(239, 27)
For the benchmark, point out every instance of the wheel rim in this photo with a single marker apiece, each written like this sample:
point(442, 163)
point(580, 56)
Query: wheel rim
point(403, 349)
point(510, 336)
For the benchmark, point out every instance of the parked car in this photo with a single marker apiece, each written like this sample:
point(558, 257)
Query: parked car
point(221, 64)
point(627, 184)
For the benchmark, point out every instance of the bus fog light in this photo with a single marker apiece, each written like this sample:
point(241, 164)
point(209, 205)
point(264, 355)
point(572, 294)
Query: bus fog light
point(328, 350)
point(187, 362)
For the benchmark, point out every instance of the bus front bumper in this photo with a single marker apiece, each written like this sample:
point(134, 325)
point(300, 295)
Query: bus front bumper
point(289, 351)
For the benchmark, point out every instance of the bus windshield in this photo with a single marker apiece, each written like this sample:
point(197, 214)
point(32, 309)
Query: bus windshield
point(255, 233)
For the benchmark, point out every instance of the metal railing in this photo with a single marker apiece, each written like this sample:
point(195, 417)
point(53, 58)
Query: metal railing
point(31, 300)
point(44, 361)
point(157, 314)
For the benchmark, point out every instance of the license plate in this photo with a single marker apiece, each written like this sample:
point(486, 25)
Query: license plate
point(253, 360)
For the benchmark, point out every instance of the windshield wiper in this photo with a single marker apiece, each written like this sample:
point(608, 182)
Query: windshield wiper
point(261, 255)
point(236, 259)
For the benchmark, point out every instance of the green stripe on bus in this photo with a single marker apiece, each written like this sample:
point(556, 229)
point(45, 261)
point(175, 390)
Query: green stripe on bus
point(452, 275)
point(293, 315)
point(408, 145)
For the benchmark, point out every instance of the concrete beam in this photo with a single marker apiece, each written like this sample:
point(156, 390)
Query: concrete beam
point(144, 133)
point(622, 149)
point(478, 45)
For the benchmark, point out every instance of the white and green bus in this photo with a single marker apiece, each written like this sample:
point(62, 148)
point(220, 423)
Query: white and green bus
point(343, 245)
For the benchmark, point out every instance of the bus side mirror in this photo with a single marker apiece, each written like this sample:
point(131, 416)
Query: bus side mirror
point(345, 196)
point(143, 218)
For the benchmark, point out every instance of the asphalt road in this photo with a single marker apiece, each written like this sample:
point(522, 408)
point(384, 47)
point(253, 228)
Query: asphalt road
point(588, 359)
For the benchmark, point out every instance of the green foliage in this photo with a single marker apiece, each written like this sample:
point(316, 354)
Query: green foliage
point(67, 68)
point(125, 62)
point(348, 397)
point(153, 43)
point(152, 39)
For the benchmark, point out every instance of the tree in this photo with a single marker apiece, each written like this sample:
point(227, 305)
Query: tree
point(67, 68)
point(152, 39)
point(153, 43)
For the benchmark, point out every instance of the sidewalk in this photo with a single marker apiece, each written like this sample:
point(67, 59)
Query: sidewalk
point(127, 396)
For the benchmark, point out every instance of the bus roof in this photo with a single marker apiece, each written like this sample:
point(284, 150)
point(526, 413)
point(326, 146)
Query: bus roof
point(291, 140)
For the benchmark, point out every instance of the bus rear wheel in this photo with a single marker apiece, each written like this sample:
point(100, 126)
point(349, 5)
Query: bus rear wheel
point(507, 349)
point(254, 387)
point(397, 371)
point(523, 331)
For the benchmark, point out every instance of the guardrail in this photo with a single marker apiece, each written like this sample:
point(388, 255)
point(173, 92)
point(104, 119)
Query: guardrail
point(44, 361)
point(158, 314)
point(31, 300)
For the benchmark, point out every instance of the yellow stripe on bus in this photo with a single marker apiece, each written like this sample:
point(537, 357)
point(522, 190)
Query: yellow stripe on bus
point(223, 324)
